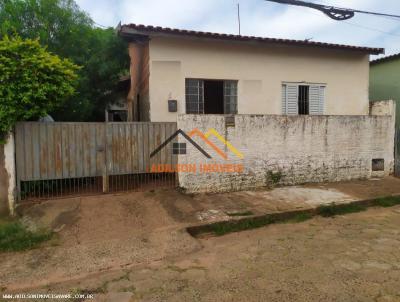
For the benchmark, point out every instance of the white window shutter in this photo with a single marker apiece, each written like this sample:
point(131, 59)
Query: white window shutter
point(284, 99)
point(292, 99)
point(321, 99)
point(316, 100)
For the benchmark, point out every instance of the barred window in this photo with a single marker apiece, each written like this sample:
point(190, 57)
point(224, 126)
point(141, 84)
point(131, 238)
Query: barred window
point(230, 97)
point(211, 96)
point(194, 96)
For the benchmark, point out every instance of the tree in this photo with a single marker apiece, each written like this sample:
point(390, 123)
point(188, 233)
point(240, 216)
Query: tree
point(69, 32)
point(33, 81)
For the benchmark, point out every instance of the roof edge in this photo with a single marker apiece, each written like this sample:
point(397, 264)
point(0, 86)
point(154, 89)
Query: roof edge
point(385, 59)
point(139, 30)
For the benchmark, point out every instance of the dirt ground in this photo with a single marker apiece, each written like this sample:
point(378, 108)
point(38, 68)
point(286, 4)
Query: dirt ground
point(349, 258)
point(134, 247)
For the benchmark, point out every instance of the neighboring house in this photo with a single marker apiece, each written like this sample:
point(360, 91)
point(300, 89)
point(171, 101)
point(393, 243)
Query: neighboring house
point(117, 110)
point(385, 85)
point(179, 71)
point(385, 80)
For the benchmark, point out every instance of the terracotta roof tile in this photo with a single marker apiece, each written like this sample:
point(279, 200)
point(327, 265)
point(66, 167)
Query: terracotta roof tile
point(140, 29)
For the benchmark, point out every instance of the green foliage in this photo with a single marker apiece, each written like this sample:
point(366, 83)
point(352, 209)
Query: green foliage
point(70, 33)
point(244, 213)
point(273, 178)
point(15, 237)
point(300, 217)
point(333, 209)
point(229, 226)
point(389, 201)
point(33, 81)
point(241, 225)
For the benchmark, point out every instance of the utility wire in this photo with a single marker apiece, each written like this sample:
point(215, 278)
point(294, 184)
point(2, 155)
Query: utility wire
point(361, 26)
point(333, 12)
point(100, 25)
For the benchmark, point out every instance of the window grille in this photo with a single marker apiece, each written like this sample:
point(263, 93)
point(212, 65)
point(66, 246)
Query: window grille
point(230, 97)
point(194, 96)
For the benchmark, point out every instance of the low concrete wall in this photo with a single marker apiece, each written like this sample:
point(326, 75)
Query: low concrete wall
point(289, 149)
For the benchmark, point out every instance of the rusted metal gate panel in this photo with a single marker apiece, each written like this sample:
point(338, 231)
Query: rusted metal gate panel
point(129, 146)
point(59, 150)
point(57, 159)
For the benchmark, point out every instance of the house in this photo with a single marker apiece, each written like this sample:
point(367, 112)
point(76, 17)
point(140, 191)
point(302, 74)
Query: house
point(116, 110)
point(385, 80)
point(385, 85)
point(180, 71)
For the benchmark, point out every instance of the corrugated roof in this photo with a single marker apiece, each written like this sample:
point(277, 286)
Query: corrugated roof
point(385, 59)
point(139, 29)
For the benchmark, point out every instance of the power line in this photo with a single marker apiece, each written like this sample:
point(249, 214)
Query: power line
point(361, 26)
point(335, 13)
point(100, 24)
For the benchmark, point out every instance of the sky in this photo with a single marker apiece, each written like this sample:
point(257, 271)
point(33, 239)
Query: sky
point(258, 18)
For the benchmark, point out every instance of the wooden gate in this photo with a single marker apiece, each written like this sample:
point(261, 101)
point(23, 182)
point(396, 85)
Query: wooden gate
point(59, 159)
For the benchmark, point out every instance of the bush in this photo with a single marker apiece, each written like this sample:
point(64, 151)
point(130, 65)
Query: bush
point(32, 81)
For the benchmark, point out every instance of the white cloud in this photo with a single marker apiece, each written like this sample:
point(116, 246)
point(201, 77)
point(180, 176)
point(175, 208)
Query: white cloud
point(258, 18)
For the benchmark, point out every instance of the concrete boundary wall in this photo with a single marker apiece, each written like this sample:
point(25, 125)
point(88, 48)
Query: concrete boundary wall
point(290, 149)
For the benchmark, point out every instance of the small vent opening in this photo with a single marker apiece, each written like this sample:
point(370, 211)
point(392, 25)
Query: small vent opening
point(378, 164)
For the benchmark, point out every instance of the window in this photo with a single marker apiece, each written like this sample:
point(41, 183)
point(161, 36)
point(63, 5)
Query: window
point(230, 97)
point(179, 148)
point(303, 99)
point(194, 96)
point(211, 96)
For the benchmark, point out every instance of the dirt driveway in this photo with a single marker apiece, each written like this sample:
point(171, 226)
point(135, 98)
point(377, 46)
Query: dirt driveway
point(134, 246)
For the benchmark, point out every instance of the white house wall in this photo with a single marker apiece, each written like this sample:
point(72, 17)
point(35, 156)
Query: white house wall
point(260, 70)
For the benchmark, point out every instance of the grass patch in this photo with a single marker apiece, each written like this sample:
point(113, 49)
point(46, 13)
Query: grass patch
point(226, 227)
point(229, 227)
point(301, 217)
point(15, 237)
point(248, 223)
point(246, 213)
point(389, 201)
point(333, 210)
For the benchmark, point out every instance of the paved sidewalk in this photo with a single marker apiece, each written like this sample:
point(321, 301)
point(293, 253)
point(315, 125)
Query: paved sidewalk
point(206, 208)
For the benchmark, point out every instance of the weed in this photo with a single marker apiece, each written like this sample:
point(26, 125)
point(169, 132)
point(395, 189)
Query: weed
point(389, 201)
point(274, 177)
point(301, 217)
point(15, 237)
point(125, 276)
point(129, 289)
point(245, 213)
point(229, 227)
point(225, 227)
point(333, 209)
